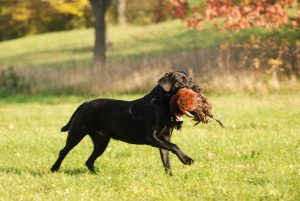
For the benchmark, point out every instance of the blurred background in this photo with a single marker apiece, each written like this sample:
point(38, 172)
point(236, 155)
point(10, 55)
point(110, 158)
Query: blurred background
point(56, 54)
point(91, 47)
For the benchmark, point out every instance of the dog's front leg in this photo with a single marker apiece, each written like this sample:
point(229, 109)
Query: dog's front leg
point(164, 154)
point(162, 143)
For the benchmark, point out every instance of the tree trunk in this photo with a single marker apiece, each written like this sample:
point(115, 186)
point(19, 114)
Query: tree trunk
point(121, 12)
point(99, 8)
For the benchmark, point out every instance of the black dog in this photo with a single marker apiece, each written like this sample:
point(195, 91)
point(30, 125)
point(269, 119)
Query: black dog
point(143, 121)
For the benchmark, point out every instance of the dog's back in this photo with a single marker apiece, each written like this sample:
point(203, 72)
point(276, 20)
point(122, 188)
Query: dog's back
point(118, 119)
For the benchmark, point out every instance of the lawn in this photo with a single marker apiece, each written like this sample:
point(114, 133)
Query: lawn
point(256, 157)
point(74, 48)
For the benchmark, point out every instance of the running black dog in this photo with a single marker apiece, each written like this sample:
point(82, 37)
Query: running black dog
point(143, 121)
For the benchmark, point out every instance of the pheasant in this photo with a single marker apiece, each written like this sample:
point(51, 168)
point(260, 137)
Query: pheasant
point(187, 102)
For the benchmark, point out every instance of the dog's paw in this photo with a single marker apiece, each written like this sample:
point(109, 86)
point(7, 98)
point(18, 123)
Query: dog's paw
point(91, 168)
point(93, 171)
point(54, 168)
point(187, 160)
point(168, 171)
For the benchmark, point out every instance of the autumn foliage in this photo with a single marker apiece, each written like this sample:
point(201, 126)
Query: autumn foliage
point(230, 14)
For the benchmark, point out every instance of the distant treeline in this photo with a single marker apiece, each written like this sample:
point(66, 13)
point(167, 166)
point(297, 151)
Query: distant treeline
point(20, 18)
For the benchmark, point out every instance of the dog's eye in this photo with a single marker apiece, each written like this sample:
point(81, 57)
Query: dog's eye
point(183, 79)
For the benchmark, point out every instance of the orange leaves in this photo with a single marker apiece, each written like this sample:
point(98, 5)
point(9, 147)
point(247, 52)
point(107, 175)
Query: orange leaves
point(179, 8)
point(229, 14)
point(294, 24)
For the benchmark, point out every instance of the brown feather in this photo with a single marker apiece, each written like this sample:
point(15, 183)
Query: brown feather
point(190, 101)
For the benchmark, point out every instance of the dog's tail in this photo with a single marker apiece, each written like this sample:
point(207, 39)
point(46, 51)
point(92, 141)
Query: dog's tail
point(67, 126)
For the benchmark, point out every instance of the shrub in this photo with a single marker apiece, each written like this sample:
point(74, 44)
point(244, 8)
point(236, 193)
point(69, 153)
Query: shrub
point(12, 83)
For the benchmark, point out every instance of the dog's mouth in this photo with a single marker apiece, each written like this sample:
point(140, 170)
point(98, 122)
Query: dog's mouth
point(180, 117)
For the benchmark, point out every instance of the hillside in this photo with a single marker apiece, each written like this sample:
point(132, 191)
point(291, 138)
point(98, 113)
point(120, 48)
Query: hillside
point(56, 63)
point(69, 48)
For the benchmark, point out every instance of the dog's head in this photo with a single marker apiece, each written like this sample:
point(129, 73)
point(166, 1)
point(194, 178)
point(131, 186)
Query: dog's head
point(173, 81)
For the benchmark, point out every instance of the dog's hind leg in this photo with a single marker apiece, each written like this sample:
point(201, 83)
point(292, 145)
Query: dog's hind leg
point(74, 137)
point(100, 143)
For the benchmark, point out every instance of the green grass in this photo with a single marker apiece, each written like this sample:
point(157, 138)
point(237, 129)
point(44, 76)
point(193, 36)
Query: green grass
point(74, 48)
point(257, 156)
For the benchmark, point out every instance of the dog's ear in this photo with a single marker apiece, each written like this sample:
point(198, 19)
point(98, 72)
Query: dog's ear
point(165, 82)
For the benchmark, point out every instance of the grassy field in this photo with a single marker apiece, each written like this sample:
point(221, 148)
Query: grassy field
point(74, 48)
point(257, 156)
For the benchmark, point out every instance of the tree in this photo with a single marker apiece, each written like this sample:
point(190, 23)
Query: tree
point(99, 8)
point(233, 14)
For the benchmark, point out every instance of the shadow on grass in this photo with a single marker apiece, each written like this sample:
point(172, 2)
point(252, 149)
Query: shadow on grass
point(35, 173)
point(19, 171)
point(76, 171)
